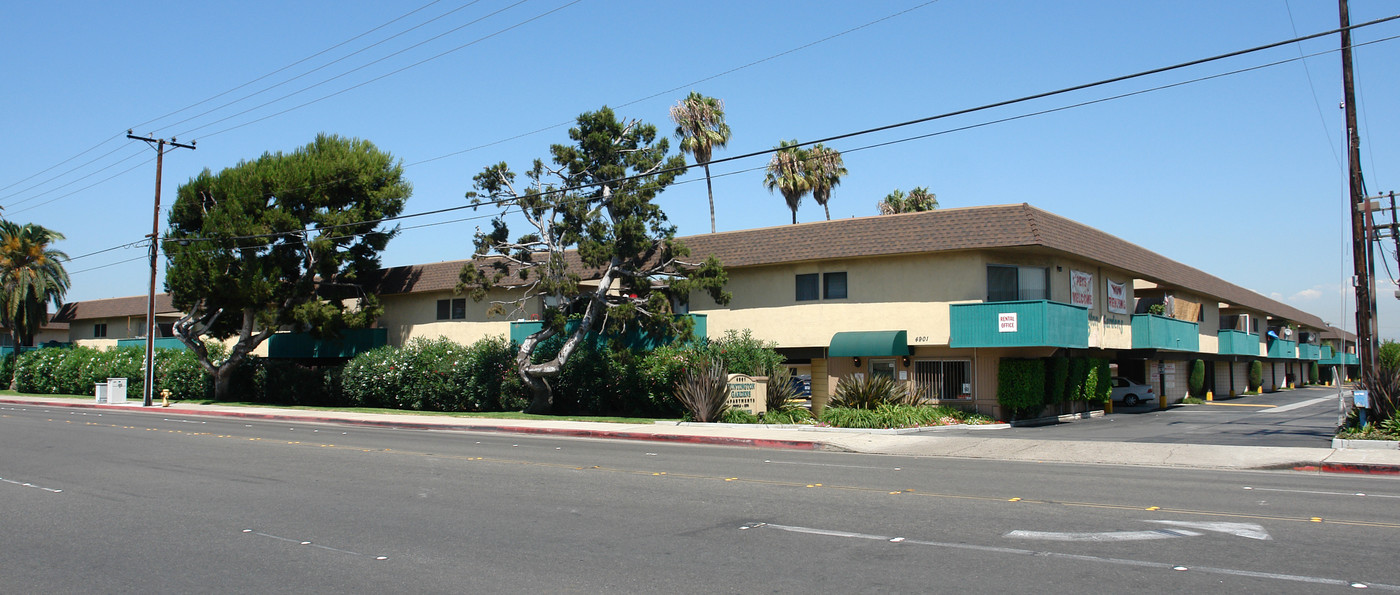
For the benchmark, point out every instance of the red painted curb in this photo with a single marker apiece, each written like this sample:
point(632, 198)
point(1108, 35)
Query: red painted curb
point(409, 425)
point(1362, 468)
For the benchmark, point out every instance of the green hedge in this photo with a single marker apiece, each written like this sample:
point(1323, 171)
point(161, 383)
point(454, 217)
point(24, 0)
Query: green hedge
point(74, 371)
point(1020, 386)
point(435, 375)
point(1256, 375)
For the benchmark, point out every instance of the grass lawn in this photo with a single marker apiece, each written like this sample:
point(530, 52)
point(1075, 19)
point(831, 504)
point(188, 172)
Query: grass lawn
point(487, 415)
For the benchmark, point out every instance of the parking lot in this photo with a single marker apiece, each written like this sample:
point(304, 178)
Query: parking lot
point(1302, 417)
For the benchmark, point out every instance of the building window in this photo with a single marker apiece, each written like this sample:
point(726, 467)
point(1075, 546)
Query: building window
point(807, 287)
point(452, 309)
point(1010, 283)
point(882, 368)
point(944, 379)
point(834, 286)
point(99, 330)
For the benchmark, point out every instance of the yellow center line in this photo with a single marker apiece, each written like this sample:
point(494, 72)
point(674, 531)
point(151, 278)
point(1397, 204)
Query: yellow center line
point(1238, 404)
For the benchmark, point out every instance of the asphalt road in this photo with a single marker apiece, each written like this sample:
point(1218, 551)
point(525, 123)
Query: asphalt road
point(117, 502)
point(1305, 417)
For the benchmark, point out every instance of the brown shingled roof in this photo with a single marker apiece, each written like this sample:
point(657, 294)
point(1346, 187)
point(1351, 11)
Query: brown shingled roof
point(969, 228)
point(113, 307)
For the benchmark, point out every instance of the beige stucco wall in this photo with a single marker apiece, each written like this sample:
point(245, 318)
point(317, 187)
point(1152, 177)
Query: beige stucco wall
point(409, 316)
point(908, 293)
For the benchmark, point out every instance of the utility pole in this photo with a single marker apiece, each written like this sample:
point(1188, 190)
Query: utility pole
point(1360, 215)
point(159, 144)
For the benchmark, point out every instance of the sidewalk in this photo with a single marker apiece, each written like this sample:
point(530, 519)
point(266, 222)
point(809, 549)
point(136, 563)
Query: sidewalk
point(989, 444)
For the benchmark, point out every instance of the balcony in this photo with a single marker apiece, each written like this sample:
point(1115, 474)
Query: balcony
point(1151, 331)
point(1238, 343)
point(1307, 351)
point(1331, 358)
point(160, 343)
point(1283, 349)
point(303, 346)
point(634, 339)
point(1037, 323)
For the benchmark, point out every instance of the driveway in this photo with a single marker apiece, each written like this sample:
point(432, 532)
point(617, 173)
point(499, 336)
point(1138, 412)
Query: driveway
point(1303, 417)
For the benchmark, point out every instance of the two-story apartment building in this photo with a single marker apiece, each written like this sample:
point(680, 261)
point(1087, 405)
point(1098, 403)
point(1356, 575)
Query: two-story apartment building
point(938, 298)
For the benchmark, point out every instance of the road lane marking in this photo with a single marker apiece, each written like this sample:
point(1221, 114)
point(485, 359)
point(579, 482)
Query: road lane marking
point(1357, 494)
point(312, 544)
point(772, 462)
point(1301, 404)
point(905, 541)
point(1219, 404)
point(1246, 530)
point(1103, 536)
point(25, 484)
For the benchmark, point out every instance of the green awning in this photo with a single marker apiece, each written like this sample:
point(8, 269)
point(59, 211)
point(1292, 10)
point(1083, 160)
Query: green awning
point(869, 344)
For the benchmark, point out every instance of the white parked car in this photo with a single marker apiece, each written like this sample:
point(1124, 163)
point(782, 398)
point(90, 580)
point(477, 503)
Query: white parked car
point(1130, 393)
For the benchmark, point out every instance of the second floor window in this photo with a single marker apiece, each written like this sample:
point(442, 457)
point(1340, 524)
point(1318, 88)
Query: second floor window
point(99, 330)
point(452, 309)
point(807, 288)
point(1010, 283)
point(834, 286)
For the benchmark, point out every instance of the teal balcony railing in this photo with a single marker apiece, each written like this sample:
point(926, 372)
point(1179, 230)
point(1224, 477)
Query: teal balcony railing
point(1283, 348)
point(1151, 331)
point(161, 343)
point(1037, 323)
point(1232, 342)
point(634, 339)
point(304, 346)
point(1332, 358)
point(1306, 351)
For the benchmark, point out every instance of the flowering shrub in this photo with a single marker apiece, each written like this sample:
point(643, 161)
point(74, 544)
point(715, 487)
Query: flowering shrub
point(436, 375)
point(75, 370)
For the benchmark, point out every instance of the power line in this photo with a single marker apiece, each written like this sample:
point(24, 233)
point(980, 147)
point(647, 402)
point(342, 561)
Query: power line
point(380, 77)
point(89, 162)
point(303, 60)
point(206, 100)
point(327, 65)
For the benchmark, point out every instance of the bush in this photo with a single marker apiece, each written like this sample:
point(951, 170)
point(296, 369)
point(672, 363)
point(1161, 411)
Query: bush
point(1196, 382)
point(434, 375)
point(1312, 373)
point(1020, 386)
point(704, 392)
point(1256, 375)
point(741, 353)
point(1057, 379)
point(1101, 389)
point(865, 392)
point(893, 416)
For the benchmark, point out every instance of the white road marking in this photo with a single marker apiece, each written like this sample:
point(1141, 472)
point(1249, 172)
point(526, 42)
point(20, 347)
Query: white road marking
point(1358, 494)
point(1079, 557)
point(315, 545)
point(1103, 536)
point(1299, 404)
point(25, 484)
point(1248, 530)
point(831, 465)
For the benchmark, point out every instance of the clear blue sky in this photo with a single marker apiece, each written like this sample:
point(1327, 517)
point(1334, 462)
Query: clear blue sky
point(1240, 175)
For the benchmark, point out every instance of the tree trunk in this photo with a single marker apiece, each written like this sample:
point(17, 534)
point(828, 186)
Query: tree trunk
point(223, 378)
point(794, 216)
point(828, 211)
point(711, 189)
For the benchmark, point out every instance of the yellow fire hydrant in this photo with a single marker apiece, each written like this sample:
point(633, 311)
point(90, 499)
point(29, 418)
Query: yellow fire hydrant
point(164, 397)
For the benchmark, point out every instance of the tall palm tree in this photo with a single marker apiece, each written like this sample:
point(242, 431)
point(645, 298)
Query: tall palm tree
point(824, 170)
point(701, 129)
point(31, 277)
point(787, 173)
point(918, 199)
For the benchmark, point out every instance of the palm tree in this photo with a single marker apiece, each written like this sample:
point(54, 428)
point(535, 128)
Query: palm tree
point(31, 277)
point(701, 129)
point(918, 199)
point(825, 170)
point(787, 172)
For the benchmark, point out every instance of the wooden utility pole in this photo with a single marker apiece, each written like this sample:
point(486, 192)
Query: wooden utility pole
point(159, 144)
point(1360, 215)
